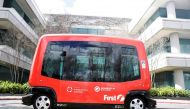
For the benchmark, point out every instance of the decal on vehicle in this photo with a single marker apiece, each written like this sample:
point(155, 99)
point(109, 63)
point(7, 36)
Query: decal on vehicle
point(119, 97)
point(69, 89)
point(104, 89)
point(97, 89)
point(76, 89)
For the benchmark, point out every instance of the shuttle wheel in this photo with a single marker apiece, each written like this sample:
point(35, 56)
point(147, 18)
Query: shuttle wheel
point(135, 103)
point(42, 101)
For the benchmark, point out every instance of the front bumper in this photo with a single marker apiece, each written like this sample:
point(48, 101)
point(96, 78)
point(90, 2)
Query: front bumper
point(151, 104)
point(27, 99)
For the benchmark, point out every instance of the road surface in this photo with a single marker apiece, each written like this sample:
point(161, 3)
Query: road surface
point(17, 104)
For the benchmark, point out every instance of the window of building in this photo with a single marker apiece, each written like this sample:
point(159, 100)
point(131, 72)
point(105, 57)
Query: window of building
point(91, 61)
point(87, 31)
point(164, 79)
point(15, 5)
point(161, 46)
point(28, 52)
point(161, 12)
point(187, 80)
point(5, 73)
point(183, 14)
point(184, 45)
point(2, 32)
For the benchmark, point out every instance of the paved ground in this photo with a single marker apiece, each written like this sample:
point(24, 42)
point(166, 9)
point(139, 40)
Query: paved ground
point(173, 104)
point(162, 104)
point(13, 104)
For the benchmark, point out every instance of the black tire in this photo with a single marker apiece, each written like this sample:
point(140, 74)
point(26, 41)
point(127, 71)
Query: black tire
point(135, 102)
point(43, 101)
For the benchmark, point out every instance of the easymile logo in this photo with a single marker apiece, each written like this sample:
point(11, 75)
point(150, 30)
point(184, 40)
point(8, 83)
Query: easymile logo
point(119, 97)
point(103, 89)
point(97, 89)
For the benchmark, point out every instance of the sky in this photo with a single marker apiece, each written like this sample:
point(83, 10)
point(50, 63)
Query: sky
point(106, 8)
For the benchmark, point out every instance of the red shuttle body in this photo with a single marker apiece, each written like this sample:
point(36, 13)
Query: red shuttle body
point(88, 69)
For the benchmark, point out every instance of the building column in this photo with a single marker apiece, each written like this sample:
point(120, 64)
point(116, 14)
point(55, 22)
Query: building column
point(179, 79)
point(1, 3)
point(170, 7)
point(174, 43)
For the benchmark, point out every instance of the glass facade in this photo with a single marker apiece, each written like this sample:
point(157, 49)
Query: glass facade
point(28, 52)
point(187, 79)
point(15, 5)
point(2, 32)
point(6, 74)
point(164, 79)
point(87, 31)
point(161, 12)
point(184, 46)
point(161, 46)
point(183, 14)
point(12, 41)
point(91, 61)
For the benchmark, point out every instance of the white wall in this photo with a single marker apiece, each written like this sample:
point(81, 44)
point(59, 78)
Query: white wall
point(179, 79)
point(1, 3)
point(170, 7)
point(174, 42)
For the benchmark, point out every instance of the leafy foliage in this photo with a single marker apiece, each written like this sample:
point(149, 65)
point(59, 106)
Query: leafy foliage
point(13, 88)
point(17, 88)
point(169, 92)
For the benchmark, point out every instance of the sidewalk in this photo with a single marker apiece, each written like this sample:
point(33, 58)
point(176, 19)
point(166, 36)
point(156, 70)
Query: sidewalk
point(172, 104)
point(170, 101)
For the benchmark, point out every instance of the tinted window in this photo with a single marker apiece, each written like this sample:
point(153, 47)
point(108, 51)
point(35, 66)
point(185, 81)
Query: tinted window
point(184, 14)
point(163, 79)
point(87, 31)
point(187, 79)
point(184, 45)
point(91, 61)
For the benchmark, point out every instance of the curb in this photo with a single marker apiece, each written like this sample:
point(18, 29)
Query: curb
point(10, 97)
point(172, 98)
point(170, 101)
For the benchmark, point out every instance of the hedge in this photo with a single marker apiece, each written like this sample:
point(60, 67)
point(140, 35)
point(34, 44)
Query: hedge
point(169, 92)
point(13, 88)
point(16, 88)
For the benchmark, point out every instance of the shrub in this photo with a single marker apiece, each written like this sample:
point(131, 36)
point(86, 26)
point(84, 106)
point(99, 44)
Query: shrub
point(25, 88)
point(13, 88)
point(154, 92)
point(182, 93)
point(169, 92)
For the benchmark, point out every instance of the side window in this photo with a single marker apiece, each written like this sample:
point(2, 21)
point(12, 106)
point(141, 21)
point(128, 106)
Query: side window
point(51, 63)
point(82, 68)
point(129, 64)
point(91, 61)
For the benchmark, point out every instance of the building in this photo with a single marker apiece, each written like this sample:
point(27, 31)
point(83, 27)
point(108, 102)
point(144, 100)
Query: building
point(165, 30)
point(18, 18)
point(76, 24)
